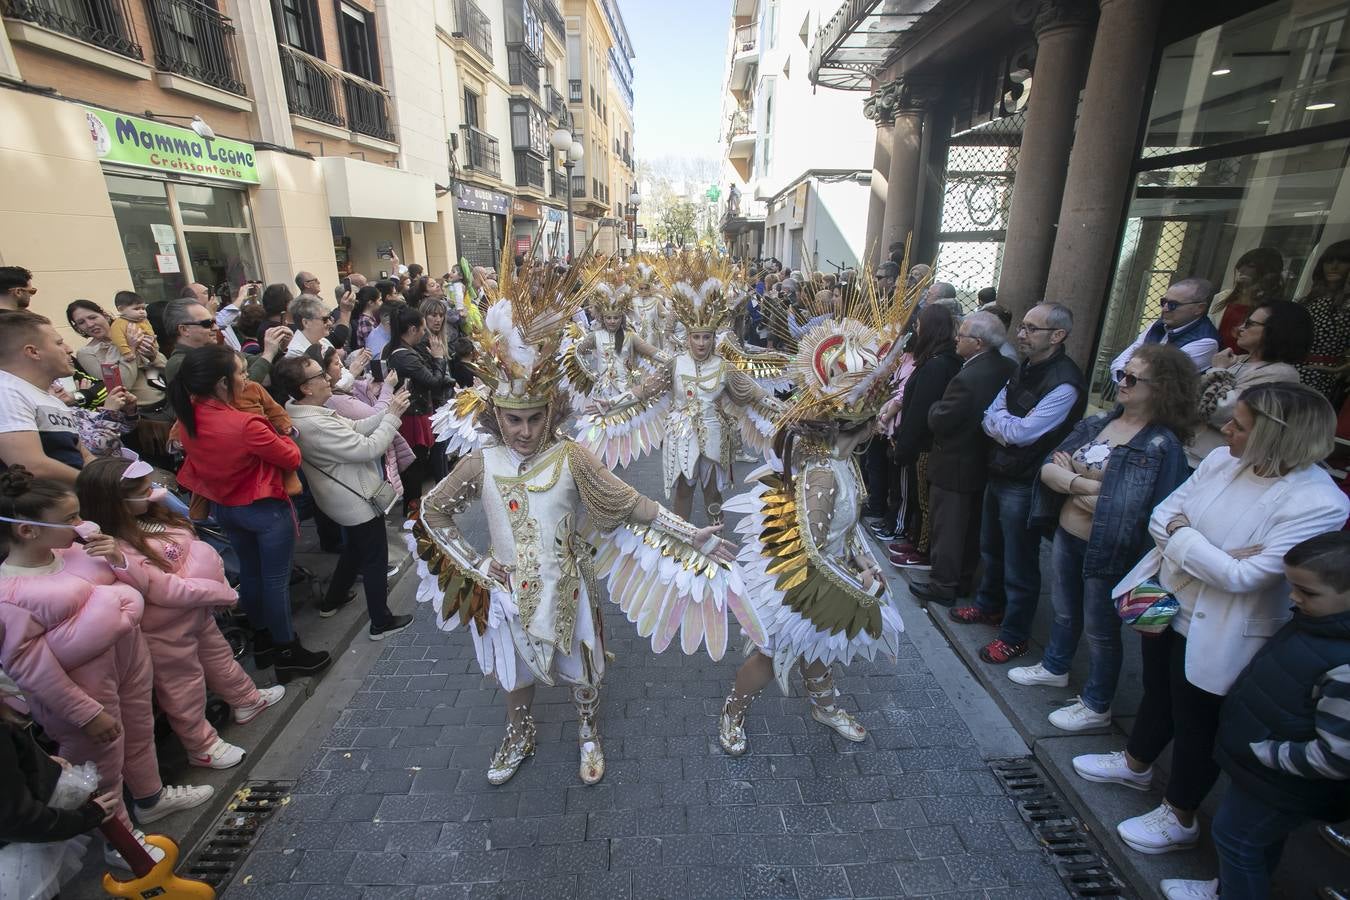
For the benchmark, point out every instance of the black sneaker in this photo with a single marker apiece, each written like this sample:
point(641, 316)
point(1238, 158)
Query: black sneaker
point(393, 625)
point(262, 648)
point(294, 661)
point(327, 610)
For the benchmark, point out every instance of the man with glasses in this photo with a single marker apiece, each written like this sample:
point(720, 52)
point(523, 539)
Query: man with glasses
point(16, 287)
point(1043, 399)
point(1183, 323)
point(191, 325)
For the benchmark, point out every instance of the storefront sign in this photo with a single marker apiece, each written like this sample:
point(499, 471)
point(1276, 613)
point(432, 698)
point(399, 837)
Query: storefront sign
point(130, 141)
point(481, 200)
point(525, 209)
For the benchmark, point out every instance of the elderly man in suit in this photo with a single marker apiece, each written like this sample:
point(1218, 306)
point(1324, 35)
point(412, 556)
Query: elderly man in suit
point(957, 465)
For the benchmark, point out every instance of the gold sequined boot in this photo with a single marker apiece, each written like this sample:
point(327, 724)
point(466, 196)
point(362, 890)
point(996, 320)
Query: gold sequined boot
point(731, 726)
point(824, 710)
point(517, 746)
point(587, 700)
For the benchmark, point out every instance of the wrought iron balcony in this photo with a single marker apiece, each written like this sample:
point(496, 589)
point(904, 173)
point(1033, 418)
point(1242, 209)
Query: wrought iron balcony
point(103, 23)
point(747, 38)
point(574, 90)
point(578, 185)
point(472, 24)
point(522, 70)
point(558, 185)
point(529, 170)
point(194, 40)
point(480, 152)
point(367, 109)
point(554, 19)
point(554, 103)
point(316, 90)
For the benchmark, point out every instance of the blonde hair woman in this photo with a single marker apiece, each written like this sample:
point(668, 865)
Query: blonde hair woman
point(1220, 542)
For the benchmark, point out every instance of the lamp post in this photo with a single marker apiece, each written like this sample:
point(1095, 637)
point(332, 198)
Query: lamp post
point(572, 153)
point(634, 201)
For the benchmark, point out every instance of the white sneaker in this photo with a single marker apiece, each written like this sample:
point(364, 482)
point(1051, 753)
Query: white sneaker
point(1037, 674)
point(267, 697)
point(222, 755)
point(1110, 768)
point(173, 798)
point(114, 860)
point(1077, 717)
point(1158, 831)
point(1183, 889)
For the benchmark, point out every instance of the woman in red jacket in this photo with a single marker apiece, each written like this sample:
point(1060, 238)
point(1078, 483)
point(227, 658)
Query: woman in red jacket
point(237, 460)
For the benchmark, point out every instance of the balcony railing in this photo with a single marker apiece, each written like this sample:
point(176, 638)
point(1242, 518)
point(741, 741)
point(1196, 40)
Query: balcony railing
point(554, 19)
point(747, 38)
point(317, 90)
point(554, 103)
point(558, 185)
point(103, 23)
point(529, 170)
point(738, 123)
point(472, 24)
point(480, 152)
point(578, 185)
point(522, 70)
point(194, 40)
point(311, 87)
point(574, 90)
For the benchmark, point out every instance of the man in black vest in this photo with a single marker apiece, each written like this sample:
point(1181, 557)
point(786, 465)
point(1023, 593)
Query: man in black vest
point(1044, 398)
point(958, 463)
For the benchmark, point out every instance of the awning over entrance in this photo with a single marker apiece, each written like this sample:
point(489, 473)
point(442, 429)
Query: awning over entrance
point(858, 40)
point(365, 190)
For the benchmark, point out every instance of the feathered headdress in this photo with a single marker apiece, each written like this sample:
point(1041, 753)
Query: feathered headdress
point(703, 295)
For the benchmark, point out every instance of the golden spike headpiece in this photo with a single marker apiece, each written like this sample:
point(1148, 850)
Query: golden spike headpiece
point(701, 288)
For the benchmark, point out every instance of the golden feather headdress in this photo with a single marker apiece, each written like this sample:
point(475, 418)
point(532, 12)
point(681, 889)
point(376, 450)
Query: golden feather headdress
point(702, 290)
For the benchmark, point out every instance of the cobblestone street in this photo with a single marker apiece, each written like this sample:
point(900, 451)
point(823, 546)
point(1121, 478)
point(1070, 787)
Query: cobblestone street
point(395, 803)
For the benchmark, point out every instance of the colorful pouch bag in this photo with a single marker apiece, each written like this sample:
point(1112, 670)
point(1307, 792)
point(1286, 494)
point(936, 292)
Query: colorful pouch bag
point(1148, 607)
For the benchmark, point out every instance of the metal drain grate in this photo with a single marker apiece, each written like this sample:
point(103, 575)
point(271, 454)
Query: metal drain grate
point(227, 845)
point(1074, 854)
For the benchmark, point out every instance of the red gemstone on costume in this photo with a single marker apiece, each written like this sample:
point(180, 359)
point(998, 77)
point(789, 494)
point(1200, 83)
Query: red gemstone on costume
point(514, 505)
point(525, 585)
point(689, 393)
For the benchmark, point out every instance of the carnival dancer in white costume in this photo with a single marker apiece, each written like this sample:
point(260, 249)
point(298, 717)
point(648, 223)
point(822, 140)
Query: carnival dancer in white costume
point(558, 521)
point(603, 363)
point(703, 398)
point(806, 561)
point(649, 307)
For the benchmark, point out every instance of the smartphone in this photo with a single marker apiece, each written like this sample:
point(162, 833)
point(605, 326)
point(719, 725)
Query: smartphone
point(112, 376)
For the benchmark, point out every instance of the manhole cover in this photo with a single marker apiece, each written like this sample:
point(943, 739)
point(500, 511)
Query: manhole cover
point(1072, 851)
point(218, 855)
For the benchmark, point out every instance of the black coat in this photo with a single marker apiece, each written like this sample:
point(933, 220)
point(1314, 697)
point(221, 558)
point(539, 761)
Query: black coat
point(428, 379)
point(925, 387)
point(27, 778)
point(959, 458)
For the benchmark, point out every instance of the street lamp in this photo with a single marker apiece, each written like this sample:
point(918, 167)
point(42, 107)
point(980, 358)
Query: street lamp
point(634, 201)
point(572, 152)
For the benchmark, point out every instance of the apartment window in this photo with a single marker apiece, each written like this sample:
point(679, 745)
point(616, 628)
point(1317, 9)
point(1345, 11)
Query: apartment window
point(356, 33)
point(771, 24)
point(298, 25)
point(471, 101)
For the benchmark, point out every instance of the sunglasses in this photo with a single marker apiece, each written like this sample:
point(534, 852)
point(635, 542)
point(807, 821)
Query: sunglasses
point(1173, 305)
point(1129, 379)
point(204, 323)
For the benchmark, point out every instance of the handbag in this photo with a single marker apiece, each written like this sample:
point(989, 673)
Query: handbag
point(383, 500)
point(1148, 607)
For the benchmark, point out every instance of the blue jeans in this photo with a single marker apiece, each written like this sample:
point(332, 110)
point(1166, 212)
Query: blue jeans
point(263, 536)
point(1010, 551)
point(1249, 835)
point(1083, 603)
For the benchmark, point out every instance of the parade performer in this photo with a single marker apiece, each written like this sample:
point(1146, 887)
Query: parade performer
point(558, 521)
point(701, 396)
point(649, 319)
point(603, 362)
point(806, 560)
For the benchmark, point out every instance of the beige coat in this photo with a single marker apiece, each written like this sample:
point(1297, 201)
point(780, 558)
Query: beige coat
point(336, 449)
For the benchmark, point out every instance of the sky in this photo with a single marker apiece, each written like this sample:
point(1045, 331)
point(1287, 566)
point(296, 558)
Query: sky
point(680, 47)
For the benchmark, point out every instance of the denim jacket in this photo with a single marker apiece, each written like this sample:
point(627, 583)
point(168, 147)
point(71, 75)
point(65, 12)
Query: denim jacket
point(1139, 475)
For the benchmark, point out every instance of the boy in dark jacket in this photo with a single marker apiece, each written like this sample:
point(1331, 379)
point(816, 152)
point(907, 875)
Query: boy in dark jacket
point(1284, 735)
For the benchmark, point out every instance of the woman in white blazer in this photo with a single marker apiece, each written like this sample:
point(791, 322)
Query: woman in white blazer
point(1220, 538)
point(343, 463)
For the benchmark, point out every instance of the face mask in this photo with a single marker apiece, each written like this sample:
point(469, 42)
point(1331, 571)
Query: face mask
point(345, 381)
point(227, 316)
point(156, 495)
point(84, 531)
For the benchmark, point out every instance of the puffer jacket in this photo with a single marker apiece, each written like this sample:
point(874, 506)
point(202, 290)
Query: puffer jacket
point(54, 624)
point(178, 600)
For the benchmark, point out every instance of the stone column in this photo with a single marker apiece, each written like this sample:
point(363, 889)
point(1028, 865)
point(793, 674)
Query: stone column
point(1099, 184)
point(260, 64)
point(911, 99)
point(877, 108)
point(1063, 43)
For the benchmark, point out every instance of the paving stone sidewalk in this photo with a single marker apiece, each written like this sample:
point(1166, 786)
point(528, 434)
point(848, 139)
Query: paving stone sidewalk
point(396, 803)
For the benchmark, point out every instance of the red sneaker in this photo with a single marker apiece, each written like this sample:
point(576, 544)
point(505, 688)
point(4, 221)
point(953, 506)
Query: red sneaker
point(973, 615)
point(999, 651)
point(912, 560)
point(901, 546)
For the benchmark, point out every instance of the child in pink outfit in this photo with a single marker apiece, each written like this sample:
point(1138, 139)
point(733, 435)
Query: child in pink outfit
point(182, 580)
point(73, 645)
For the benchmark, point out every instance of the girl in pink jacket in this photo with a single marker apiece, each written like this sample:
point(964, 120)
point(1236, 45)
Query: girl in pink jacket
point(182, 580)
point(72, 644)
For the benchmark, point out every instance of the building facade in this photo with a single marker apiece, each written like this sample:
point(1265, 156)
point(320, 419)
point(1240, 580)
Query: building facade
point(154, 143)
point(797, 162)
point(1091, 153)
